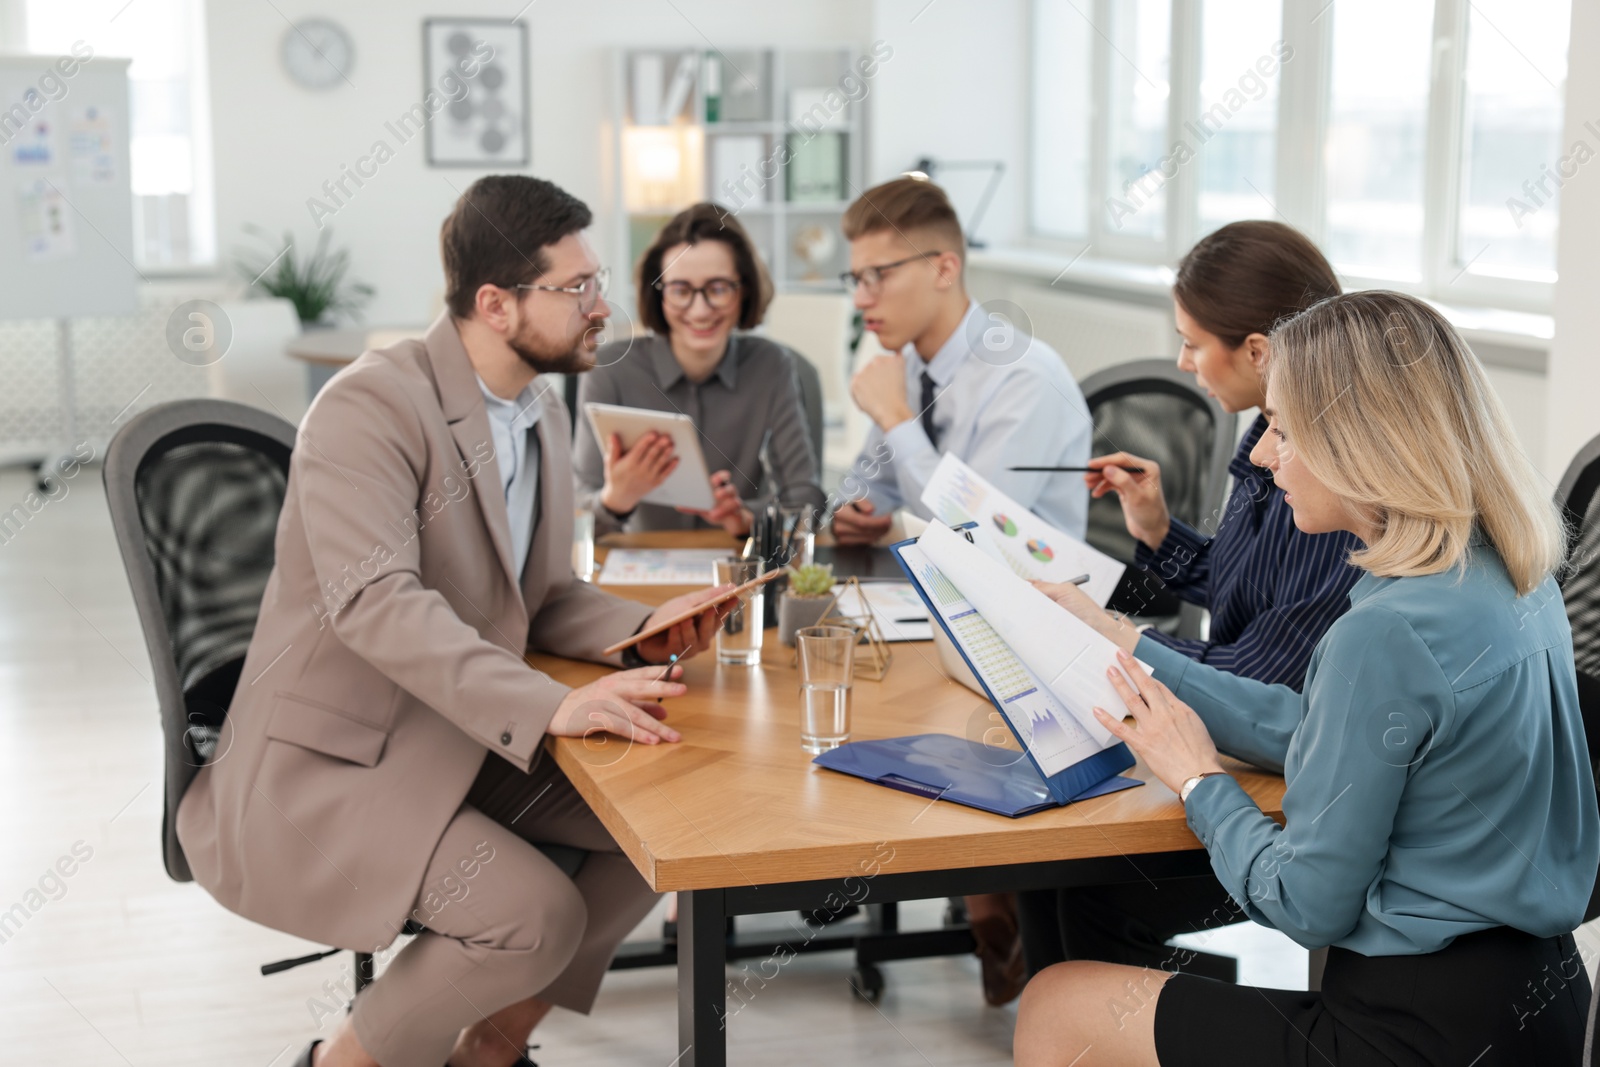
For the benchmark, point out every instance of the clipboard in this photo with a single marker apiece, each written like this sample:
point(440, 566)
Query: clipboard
point(981, 776)
point(667, 624)
point(1065, 785)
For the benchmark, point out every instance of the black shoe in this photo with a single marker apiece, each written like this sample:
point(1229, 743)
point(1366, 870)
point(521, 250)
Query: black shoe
point(305, 1057)
point(522, 1061)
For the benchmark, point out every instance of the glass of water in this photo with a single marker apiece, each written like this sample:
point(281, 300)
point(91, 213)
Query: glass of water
point(739, 640)
point(827, 665)
point(583, 544)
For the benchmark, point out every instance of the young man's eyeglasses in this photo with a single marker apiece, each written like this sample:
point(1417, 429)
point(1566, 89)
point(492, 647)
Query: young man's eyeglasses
point(679, 296)
point(870, 278)
point(589, 291)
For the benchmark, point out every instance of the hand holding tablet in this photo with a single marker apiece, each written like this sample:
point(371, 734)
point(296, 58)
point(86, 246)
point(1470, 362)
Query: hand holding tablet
point(680, 465)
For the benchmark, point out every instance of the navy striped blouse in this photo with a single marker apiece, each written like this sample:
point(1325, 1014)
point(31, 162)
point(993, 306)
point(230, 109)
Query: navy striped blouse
point(1272, 591)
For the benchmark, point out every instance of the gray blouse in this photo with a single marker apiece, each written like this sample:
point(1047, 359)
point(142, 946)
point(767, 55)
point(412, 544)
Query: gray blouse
point(752, 423)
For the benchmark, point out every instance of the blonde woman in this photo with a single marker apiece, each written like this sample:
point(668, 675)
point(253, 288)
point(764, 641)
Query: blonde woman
point(1440, 824)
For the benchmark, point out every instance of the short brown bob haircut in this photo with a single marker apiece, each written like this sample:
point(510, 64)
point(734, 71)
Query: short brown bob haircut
point(912, 206)
point(703, 222)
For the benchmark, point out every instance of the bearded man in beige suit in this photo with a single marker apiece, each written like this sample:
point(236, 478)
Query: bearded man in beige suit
point(385, 759)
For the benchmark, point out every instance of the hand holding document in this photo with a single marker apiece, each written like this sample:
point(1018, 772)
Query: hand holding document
point(1030, 546)
point(1063, 651)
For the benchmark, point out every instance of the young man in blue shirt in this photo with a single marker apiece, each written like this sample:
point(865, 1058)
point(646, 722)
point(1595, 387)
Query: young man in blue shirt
point(960, 378)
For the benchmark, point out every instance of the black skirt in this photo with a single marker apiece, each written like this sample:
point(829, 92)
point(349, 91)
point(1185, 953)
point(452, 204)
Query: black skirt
point(1497, 997)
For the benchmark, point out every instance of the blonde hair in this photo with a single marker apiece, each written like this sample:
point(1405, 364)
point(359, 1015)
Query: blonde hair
point(1389, 408)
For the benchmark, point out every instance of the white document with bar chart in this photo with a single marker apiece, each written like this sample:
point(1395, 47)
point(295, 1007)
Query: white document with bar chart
point(1053, 735)
point(1032, 547)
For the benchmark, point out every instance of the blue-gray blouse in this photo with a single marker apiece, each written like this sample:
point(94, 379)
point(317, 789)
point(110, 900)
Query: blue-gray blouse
point(1438, 781)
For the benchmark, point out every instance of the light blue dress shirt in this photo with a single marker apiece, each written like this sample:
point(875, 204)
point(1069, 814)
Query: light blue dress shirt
point(516, 452)
point(1438, 778)
point(1002, 399)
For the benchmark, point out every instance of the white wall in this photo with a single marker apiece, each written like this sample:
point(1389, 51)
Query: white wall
point(955, 89)
point(276, 143)
point(1573, 382)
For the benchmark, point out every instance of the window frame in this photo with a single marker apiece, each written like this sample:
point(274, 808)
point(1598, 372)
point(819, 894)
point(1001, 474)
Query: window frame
point(1300, 194)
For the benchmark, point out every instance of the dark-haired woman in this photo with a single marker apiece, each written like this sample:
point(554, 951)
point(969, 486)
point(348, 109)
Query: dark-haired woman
point(1272, 590)
point(699, 283)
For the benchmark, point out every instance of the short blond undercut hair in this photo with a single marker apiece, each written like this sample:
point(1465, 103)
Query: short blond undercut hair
point(1389, 408)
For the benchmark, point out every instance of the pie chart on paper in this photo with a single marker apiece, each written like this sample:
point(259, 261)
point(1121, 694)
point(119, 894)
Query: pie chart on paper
point(1040, 551)
point(1004, 524)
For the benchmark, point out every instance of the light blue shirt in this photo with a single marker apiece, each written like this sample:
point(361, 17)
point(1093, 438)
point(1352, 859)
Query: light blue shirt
point(1438, 781)
point(511, 424)
point(1002, 399)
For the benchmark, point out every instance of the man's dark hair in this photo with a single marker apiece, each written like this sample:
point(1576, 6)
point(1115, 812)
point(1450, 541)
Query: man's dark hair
point(498, 231)
point(703, 222)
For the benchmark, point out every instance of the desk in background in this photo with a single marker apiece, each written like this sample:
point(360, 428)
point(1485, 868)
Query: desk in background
point(737, 819)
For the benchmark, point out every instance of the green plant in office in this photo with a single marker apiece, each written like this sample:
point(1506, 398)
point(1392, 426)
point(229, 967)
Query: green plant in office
point(316, 284)
point(812, 579)
point(807, 599)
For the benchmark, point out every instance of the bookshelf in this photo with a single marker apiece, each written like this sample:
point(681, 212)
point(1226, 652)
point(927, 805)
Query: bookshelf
point(772, 134)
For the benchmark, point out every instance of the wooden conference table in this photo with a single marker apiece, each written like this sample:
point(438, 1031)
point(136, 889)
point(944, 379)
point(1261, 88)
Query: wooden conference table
point(737, 820)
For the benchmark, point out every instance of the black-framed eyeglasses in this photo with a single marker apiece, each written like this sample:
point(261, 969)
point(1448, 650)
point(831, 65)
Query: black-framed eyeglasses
point(679, 296)
point(872, 277)
point(588, 292)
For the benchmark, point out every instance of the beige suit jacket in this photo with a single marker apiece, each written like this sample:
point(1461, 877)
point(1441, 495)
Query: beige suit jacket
point(388, 658)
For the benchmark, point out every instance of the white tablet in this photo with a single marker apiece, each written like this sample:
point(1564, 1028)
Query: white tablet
point(689, 485)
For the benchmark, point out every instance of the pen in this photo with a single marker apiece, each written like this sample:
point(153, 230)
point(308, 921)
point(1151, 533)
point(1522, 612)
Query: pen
point(1130, 470)
point(1079, 580)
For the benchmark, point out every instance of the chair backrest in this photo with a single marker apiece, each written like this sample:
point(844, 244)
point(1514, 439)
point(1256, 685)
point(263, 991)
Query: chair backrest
point(1578, 497)
point(1151, 408)
point(195, 488)
point(810, 382)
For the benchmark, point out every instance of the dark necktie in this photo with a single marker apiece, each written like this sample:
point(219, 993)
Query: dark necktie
point(927, 410)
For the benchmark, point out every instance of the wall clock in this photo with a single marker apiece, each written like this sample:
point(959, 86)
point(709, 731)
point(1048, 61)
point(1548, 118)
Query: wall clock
point(318, 53)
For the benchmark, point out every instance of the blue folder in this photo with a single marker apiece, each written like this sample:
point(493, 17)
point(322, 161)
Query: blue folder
point(999, 780)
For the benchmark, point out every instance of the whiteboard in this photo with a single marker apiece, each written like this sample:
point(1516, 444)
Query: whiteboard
point(66, 205)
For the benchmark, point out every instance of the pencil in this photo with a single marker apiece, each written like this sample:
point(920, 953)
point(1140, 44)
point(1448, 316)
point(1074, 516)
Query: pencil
point(1081, 470)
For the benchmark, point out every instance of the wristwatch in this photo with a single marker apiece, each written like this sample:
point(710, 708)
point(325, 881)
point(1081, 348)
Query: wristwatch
point(1188, 785)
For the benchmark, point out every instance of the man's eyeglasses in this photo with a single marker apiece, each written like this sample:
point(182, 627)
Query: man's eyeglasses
point(679, 296)
point(588, 292)
point(871, 278)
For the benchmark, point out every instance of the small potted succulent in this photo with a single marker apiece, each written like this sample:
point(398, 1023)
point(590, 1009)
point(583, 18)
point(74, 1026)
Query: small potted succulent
point(806, 600)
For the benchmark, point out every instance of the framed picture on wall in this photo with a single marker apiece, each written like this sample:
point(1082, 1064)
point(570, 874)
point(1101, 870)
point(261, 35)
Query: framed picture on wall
point(476, 92)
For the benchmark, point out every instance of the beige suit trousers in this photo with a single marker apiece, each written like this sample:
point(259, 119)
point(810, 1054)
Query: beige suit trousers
point(503, 922)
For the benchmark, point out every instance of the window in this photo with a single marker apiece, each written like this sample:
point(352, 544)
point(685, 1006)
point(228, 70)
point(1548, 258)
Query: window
point(1376, 145)
point(1512, 165)
point(1237, 125)
point(1059, 164)
point(1136, 113)
point(1418, 142)
point(169, 144)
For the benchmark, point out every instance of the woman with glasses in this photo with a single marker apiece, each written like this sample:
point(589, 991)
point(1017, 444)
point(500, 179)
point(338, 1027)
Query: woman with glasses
point(700, 283)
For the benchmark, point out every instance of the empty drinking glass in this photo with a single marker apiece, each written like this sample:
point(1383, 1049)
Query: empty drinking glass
point(827, 665)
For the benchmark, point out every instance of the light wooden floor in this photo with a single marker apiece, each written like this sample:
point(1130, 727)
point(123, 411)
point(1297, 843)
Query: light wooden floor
point(119, 965)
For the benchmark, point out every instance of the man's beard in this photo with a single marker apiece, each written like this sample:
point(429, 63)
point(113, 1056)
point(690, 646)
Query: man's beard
point(574, 359)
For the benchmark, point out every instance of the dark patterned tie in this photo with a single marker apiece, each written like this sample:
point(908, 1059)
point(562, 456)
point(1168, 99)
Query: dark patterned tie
point(927, 410)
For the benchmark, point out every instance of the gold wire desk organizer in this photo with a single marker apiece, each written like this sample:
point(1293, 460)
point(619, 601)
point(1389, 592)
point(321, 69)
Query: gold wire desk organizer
point(874, 661)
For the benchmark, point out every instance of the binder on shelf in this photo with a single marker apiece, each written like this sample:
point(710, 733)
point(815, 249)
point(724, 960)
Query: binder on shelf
point(1062, 757)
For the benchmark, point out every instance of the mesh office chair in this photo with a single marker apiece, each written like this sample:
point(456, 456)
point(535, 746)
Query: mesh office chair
point(1578, 496)
point(1151, 408)
point(195, 488)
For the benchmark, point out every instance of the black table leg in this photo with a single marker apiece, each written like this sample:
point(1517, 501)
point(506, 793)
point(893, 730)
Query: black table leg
point(702, 979)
